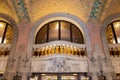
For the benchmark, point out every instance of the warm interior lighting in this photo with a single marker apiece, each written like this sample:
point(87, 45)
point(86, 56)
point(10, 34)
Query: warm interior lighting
point(59, 48)
point(84, 78)
point(59, 30)
point(113, 41)
point(75, 74)
point(43, 74)
point(48, 77)
point(0, 39)
point(1, 72)
point(57, 26)
point(117, 24)
point(118, 39)
point(5, 41)
point(34, 78)
point(1, 25)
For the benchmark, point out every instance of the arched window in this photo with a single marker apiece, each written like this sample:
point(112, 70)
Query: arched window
point(8, 38)
point(113, 32)
point(59, 30)
point(6, 32)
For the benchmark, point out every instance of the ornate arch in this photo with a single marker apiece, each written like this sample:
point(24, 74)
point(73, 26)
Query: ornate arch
point(107, 21)
point(59, 16)
point(14, 40)
point(14, 25)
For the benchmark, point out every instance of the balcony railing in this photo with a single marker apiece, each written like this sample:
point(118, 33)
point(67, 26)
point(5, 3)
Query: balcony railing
point(4, 50)
point(114, 50)
point(59, 47)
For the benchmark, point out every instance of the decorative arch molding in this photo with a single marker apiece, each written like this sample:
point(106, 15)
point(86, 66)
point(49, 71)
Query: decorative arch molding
point(59, 16)
point(15, 31)
point(107, 21)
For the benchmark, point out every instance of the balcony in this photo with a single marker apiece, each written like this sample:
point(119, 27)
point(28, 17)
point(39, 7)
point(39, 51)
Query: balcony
point(4, 52)
point(59, 56)
point(115, 57)
point(114, 50)
point(59, 47)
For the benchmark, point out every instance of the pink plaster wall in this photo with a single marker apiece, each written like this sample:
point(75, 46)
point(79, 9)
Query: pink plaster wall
point(95, 34)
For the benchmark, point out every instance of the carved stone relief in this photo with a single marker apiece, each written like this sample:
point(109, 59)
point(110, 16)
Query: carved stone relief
point(59, 64)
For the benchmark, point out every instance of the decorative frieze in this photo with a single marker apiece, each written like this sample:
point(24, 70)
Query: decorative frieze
point(59, 63)
point(21, 9)
point(97, 9)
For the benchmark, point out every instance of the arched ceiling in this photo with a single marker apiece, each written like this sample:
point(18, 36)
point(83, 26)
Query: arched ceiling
point(7, 8)
point(36, 9)
point(74, 7)
point(111, 7)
